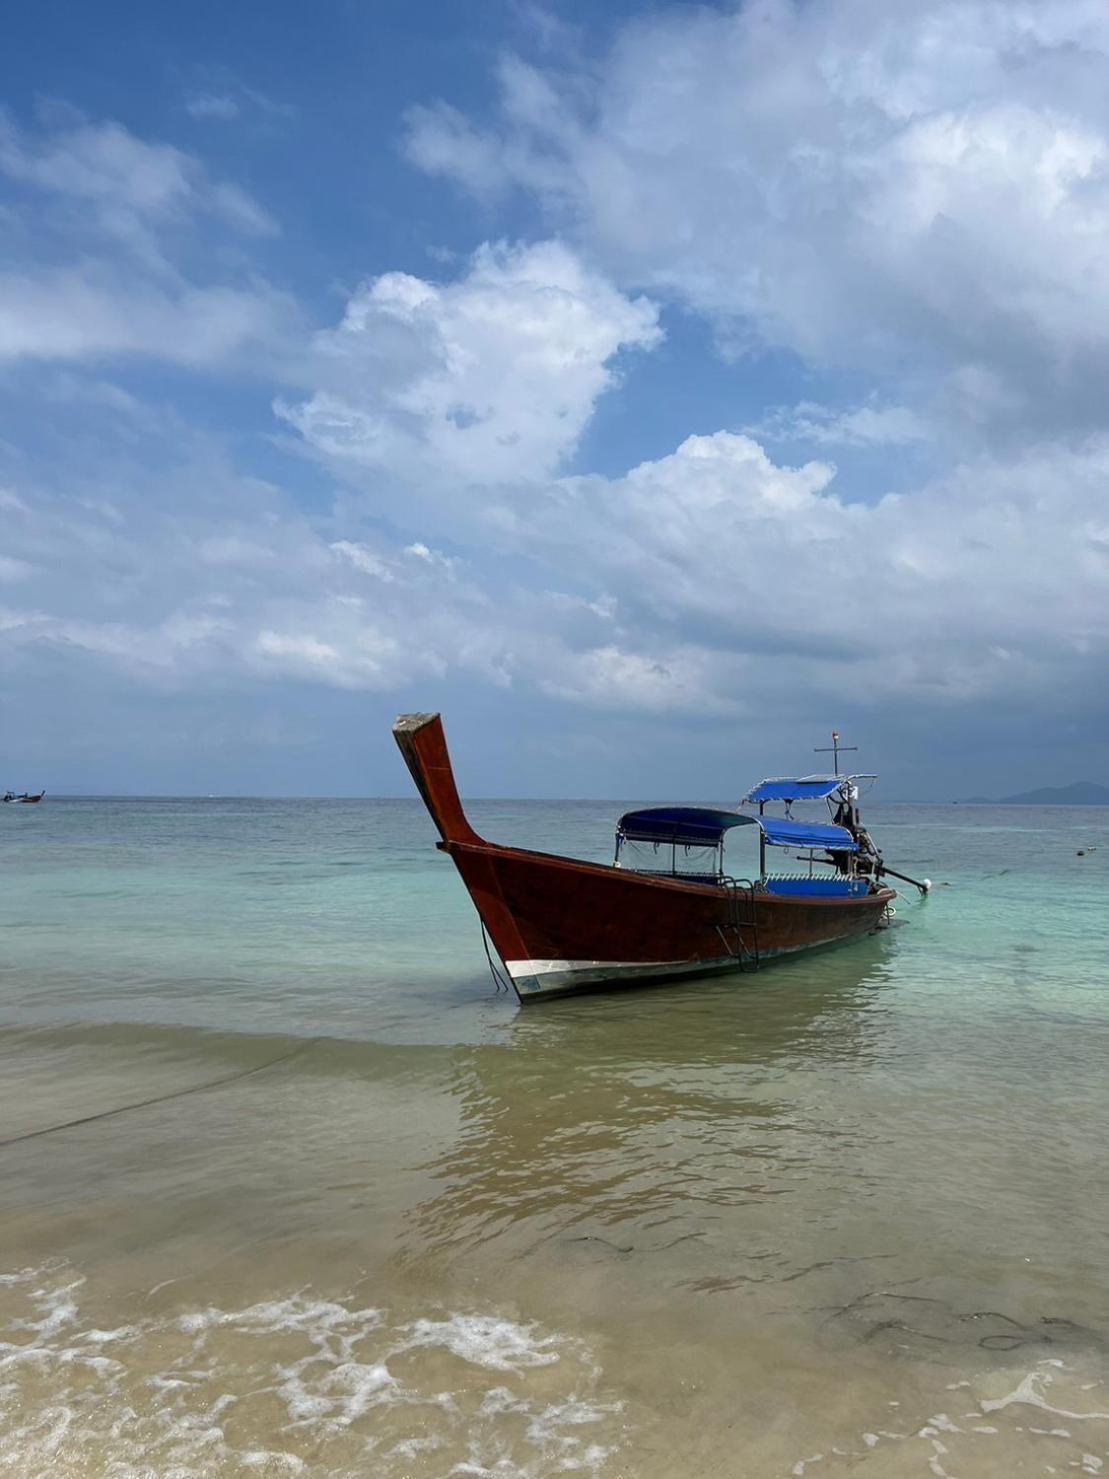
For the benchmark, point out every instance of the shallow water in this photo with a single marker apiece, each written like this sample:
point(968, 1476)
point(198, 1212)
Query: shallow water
point(329, 1203)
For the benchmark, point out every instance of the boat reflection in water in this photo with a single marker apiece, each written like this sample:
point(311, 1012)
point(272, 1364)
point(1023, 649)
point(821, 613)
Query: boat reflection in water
point(665, 908)
point(638, 1128)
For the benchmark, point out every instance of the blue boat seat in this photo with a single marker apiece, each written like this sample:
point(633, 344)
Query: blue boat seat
point(800, 885)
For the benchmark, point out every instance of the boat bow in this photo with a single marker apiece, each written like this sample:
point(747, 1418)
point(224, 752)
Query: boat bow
point(423, 744)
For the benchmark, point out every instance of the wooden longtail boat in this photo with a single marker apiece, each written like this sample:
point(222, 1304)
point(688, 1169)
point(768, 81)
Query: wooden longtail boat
point(561, 925)
point(25, 798)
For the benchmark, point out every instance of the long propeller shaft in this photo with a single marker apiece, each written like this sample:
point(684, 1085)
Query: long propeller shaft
point(923, 884)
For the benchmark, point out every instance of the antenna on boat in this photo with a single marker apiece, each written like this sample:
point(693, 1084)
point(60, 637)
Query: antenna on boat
point(833, 749)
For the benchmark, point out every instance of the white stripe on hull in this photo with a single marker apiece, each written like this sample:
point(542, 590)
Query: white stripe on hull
point(534, 977)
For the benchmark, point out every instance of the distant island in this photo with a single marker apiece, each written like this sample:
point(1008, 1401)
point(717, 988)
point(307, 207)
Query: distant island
point(1078, 793)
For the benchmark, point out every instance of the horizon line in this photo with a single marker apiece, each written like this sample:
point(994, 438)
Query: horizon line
point(470, 797)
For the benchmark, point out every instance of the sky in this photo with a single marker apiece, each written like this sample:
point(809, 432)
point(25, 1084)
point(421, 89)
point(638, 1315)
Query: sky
point(649, 389)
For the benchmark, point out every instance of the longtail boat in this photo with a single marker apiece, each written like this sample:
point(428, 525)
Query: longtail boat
point(664, 908)
point(25, 797)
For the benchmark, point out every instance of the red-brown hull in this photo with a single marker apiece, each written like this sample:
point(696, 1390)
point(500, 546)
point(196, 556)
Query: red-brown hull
point(561, 925)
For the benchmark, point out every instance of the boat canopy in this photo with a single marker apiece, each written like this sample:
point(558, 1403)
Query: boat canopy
point(783, 832)
point(801, 788)
point(695, 826)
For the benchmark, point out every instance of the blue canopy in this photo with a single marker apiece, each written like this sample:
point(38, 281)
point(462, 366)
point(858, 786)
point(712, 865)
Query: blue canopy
point(804, 788)
point(696, 826)
point(785, 833)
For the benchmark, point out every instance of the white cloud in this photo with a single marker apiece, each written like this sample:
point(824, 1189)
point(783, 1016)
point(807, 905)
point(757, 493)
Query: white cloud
point(363, 558)
point(697, 581)
point(129, 180)
point(101, 162)
point(887, 188)
point(703, 582)
point(81, 312)
point(420, 551)
point(102, 256)
point(300, 651)
point(679, 679)
point(692, 582)
point(868, 425)
point(483, 380)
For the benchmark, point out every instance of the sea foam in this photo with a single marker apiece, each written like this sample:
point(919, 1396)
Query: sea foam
point(298, 1384)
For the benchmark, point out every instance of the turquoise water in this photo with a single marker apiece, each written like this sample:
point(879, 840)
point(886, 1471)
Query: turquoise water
point(363, 1215)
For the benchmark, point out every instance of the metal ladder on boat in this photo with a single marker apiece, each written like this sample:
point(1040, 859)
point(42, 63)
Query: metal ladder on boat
point(741, 892)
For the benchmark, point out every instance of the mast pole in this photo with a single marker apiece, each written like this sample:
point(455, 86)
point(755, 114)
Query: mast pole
point(833, 749)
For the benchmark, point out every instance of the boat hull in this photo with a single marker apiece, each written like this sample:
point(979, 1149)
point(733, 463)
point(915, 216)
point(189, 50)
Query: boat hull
point(562, 926)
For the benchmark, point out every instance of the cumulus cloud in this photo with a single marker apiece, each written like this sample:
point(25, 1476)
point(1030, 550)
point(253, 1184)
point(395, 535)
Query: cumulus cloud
point(778, 576)
point(892, 189)
point(489, 378)
point(713, 580)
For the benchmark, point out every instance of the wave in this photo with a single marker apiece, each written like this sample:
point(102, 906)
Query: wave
point(297, 1384)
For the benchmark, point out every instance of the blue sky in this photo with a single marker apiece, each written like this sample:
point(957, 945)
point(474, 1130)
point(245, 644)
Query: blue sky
point(648, 389)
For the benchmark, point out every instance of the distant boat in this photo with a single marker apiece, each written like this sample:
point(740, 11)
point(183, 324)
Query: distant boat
point(561, 925)
point(25, 797)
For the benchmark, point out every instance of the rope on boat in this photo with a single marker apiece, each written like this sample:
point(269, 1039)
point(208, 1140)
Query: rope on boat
point(214, 1083)
point(498, 980)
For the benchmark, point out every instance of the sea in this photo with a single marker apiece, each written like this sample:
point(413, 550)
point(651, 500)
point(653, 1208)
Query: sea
point(290, 1186)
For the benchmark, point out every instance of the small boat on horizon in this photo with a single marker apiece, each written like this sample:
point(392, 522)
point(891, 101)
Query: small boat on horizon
point(562, 925)
point(25, 797)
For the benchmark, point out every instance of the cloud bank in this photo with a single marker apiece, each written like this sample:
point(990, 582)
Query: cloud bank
point(913, 204)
